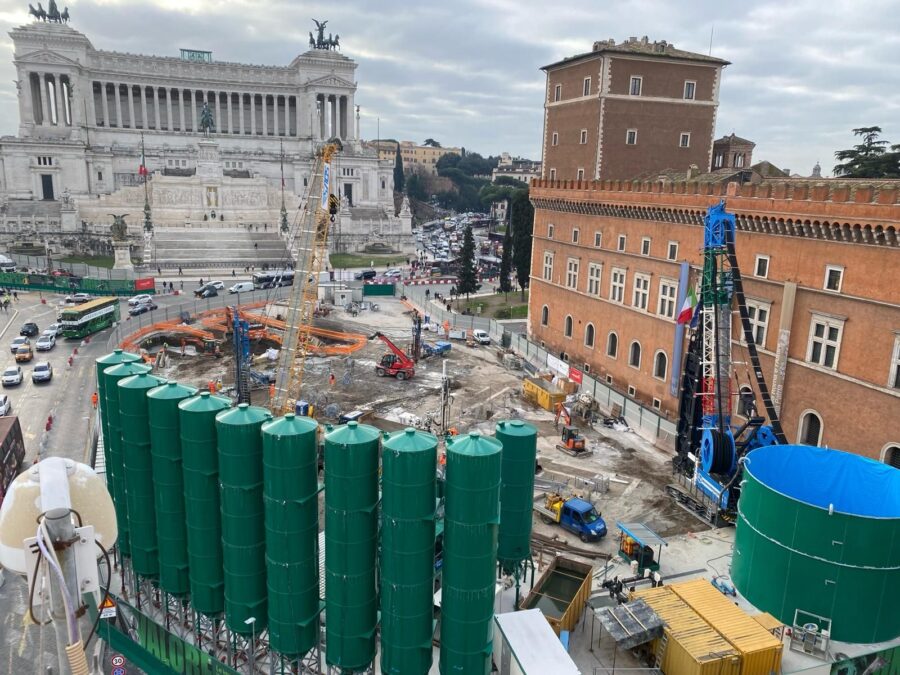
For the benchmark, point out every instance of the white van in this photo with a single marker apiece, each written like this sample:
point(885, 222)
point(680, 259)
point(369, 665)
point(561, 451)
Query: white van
point(241, 287)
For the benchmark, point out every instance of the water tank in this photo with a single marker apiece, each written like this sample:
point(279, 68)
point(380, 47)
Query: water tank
point(112, 444)
point(138, 462)
point(519, 441)
point(203, 517)
point(817, 531)
point(409, 466)
point(291, 498)
point(243, 526)
point(471, 521)
point(168, 483)
point(351, 529)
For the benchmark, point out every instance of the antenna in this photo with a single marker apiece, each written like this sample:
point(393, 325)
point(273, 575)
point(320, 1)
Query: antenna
point(711, 31)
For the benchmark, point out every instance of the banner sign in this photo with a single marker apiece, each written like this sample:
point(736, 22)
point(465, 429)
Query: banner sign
point(326, 179)
point(575, 375)
point(147, 284)
point(558, 366)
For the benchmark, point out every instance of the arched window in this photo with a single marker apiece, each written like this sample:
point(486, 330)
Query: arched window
point(891, 455)
point(810, 428)
point(545, 315)
point(568, 326)
point(634, 355)
point(589, 335)
point(660, 365)
point(746, 405)
point(612, 345)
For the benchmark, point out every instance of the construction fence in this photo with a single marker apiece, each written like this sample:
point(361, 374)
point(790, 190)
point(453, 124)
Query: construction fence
point(66, 285)
point(39, 262)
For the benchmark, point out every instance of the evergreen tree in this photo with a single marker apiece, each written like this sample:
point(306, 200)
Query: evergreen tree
point(521, 220)
point(869, 159)
point(398, 171)
point(506, 262)
point(468, 276)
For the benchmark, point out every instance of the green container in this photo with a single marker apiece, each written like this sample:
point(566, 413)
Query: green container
point(818, 531)
point(134, 416)
point(409, 467)
point(351, 532)
point(116, 466)
point(113, 463)
point(290, 495)
point(168, 481)
point(471, 521)
point(203, 515)
point(516, 492)
point(243, 519)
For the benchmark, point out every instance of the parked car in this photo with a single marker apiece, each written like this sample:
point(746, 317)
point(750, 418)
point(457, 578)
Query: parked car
point(5, 405)
point(18, 342)
point(139, 299)
point(53, 329)
point(395, 273)
point(11, 376)
point(209, 292)
point(481, 336)
point(365, 275)
point(24, 354)
point(45, 343)
point(43, 372)
point(218, 285)
point(78, 298)
point(241, 287)
point(200, 290)
point(29, 329)
point(143, 308)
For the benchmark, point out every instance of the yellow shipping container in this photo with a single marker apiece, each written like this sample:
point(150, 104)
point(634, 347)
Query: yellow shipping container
point(760, 650)
point(692, 646)
point(542, 393)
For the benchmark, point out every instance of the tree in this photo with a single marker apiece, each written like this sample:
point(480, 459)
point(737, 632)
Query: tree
point(869, 159)
point(398, 171)
point(521, 220)
point(431, 143)
point(415, 188)
point(468, 275)
point(506, 262)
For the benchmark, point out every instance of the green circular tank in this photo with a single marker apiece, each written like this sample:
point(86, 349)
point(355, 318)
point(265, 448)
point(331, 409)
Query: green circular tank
point(409, 466)
point(115, 467)
point(516, 492)
point(243, 520)
point(471, 521)
point(168, 481)
point(135, 419)
point(817, 531)
point(203, 516)
point(351, 532)
point(290, 495)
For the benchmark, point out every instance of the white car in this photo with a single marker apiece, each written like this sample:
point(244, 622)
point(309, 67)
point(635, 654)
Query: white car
point(218, 285)
point(11, 376)
point(139, 300)
point(481, 336)
point(53, 329)
point(393, 273)
point(45, 343)
point(5, 405)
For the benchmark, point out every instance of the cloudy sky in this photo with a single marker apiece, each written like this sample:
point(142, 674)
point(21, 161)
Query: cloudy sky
point(466, 72)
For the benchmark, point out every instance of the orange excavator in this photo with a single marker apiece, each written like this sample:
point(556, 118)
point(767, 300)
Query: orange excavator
point(396, 364)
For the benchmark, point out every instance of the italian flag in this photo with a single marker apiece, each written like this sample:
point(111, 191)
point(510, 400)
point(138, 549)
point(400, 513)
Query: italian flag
point(687, 309)
point(142, 169)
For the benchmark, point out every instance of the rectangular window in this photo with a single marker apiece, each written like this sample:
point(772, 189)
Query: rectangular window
point(595, 272)
point(579, 175)
point(689, 88)
point(824, 341)
point(717, 163)
point(575, 233)
point(672, 253)
point(583, 138)
point(550, 231)
point(834, 277)
point(759, 320)
point(99, 175)
point(598, 239)
point(609, 379)
point(617, 285)
point(645, 246)
point(668, 292)
point(761, 269)
point(557, 93)
point(657, 404)
point(552, 174)
point(631, 137)
point(622, 240)
point(632, 392)
point(685, 140)
point(554, 139)
point(894, 378)
point(635, 88)
point(641, 295)
point(572, 273)
point(586, 88)
point(548, 267)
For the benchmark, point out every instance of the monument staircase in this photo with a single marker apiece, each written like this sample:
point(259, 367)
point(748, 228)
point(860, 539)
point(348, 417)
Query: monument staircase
point(211, 248)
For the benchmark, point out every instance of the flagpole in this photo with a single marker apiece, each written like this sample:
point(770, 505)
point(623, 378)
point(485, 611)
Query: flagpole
point(148, 224)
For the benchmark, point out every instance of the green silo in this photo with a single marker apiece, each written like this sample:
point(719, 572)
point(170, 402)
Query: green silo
point(351, 532)
point(290, 495)
point(471, 520)
point(243, 518)
point(203, 516)
point(516, 492)
point(168, 483)
point(409, 466)
point(115, 466)
point(135, 420)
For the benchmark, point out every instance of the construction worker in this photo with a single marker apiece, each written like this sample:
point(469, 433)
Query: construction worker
point(271, 391)
point(218, 385)
point(94, 400)
point(211, 386)
point(331, 379)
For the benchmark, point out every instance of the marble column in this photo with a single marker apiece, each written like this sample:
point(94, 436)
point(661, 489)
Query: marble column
point(26, 101)
point(45, 110)
point(181, 108)
point(230, 112)
point(193, 110)
point(118, 104)
point(342, 111)
point(252, 114)
point(287, 116)
point(334, 115)
point(216, 116)
point(131, 120)
point(144, 124)
point(275, 114)
point(60, 101)
point(104, 104)
point(169, 125)
point(157, 123)
point(265, 114)
point(241, 112)
point(91, 103)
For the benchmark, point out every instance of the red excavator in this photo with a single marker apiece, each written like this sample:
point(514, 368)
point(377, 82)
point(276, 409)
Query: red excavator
point(396, 364)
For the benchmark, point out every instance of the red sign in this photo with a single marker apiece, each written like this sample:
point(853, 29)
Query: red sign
point(575, 375)
point(147, 284)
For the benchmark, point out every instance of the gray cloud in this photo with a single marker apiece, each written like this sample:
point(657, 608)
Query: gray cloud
point(466, 72)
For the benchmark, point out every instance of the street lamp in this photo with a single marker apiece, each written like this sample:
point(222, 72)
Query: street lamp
point(252, 623)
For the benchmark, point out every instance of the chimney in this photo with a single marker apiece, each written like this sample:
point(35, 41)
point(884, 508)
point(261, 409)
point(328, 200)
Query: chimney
point(693, 171)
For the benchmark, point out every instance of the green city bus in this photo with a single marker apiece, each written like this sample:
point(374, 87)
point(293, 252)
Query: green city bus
point(83, 320)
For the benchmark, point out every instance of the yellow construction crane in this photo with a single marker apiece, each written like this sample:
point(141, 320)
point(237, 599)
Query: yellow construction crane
point(311, 244)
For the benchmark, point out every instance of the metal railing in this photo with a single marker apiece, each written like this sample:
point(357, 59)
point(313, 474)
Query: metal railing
point(78, 269)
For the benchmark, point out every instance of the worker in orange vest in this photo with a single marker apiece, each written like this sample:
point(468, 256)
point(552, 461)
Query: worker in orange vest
point(212, 387)
point(331, 379)
point(94, 400)
point(271, 390)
